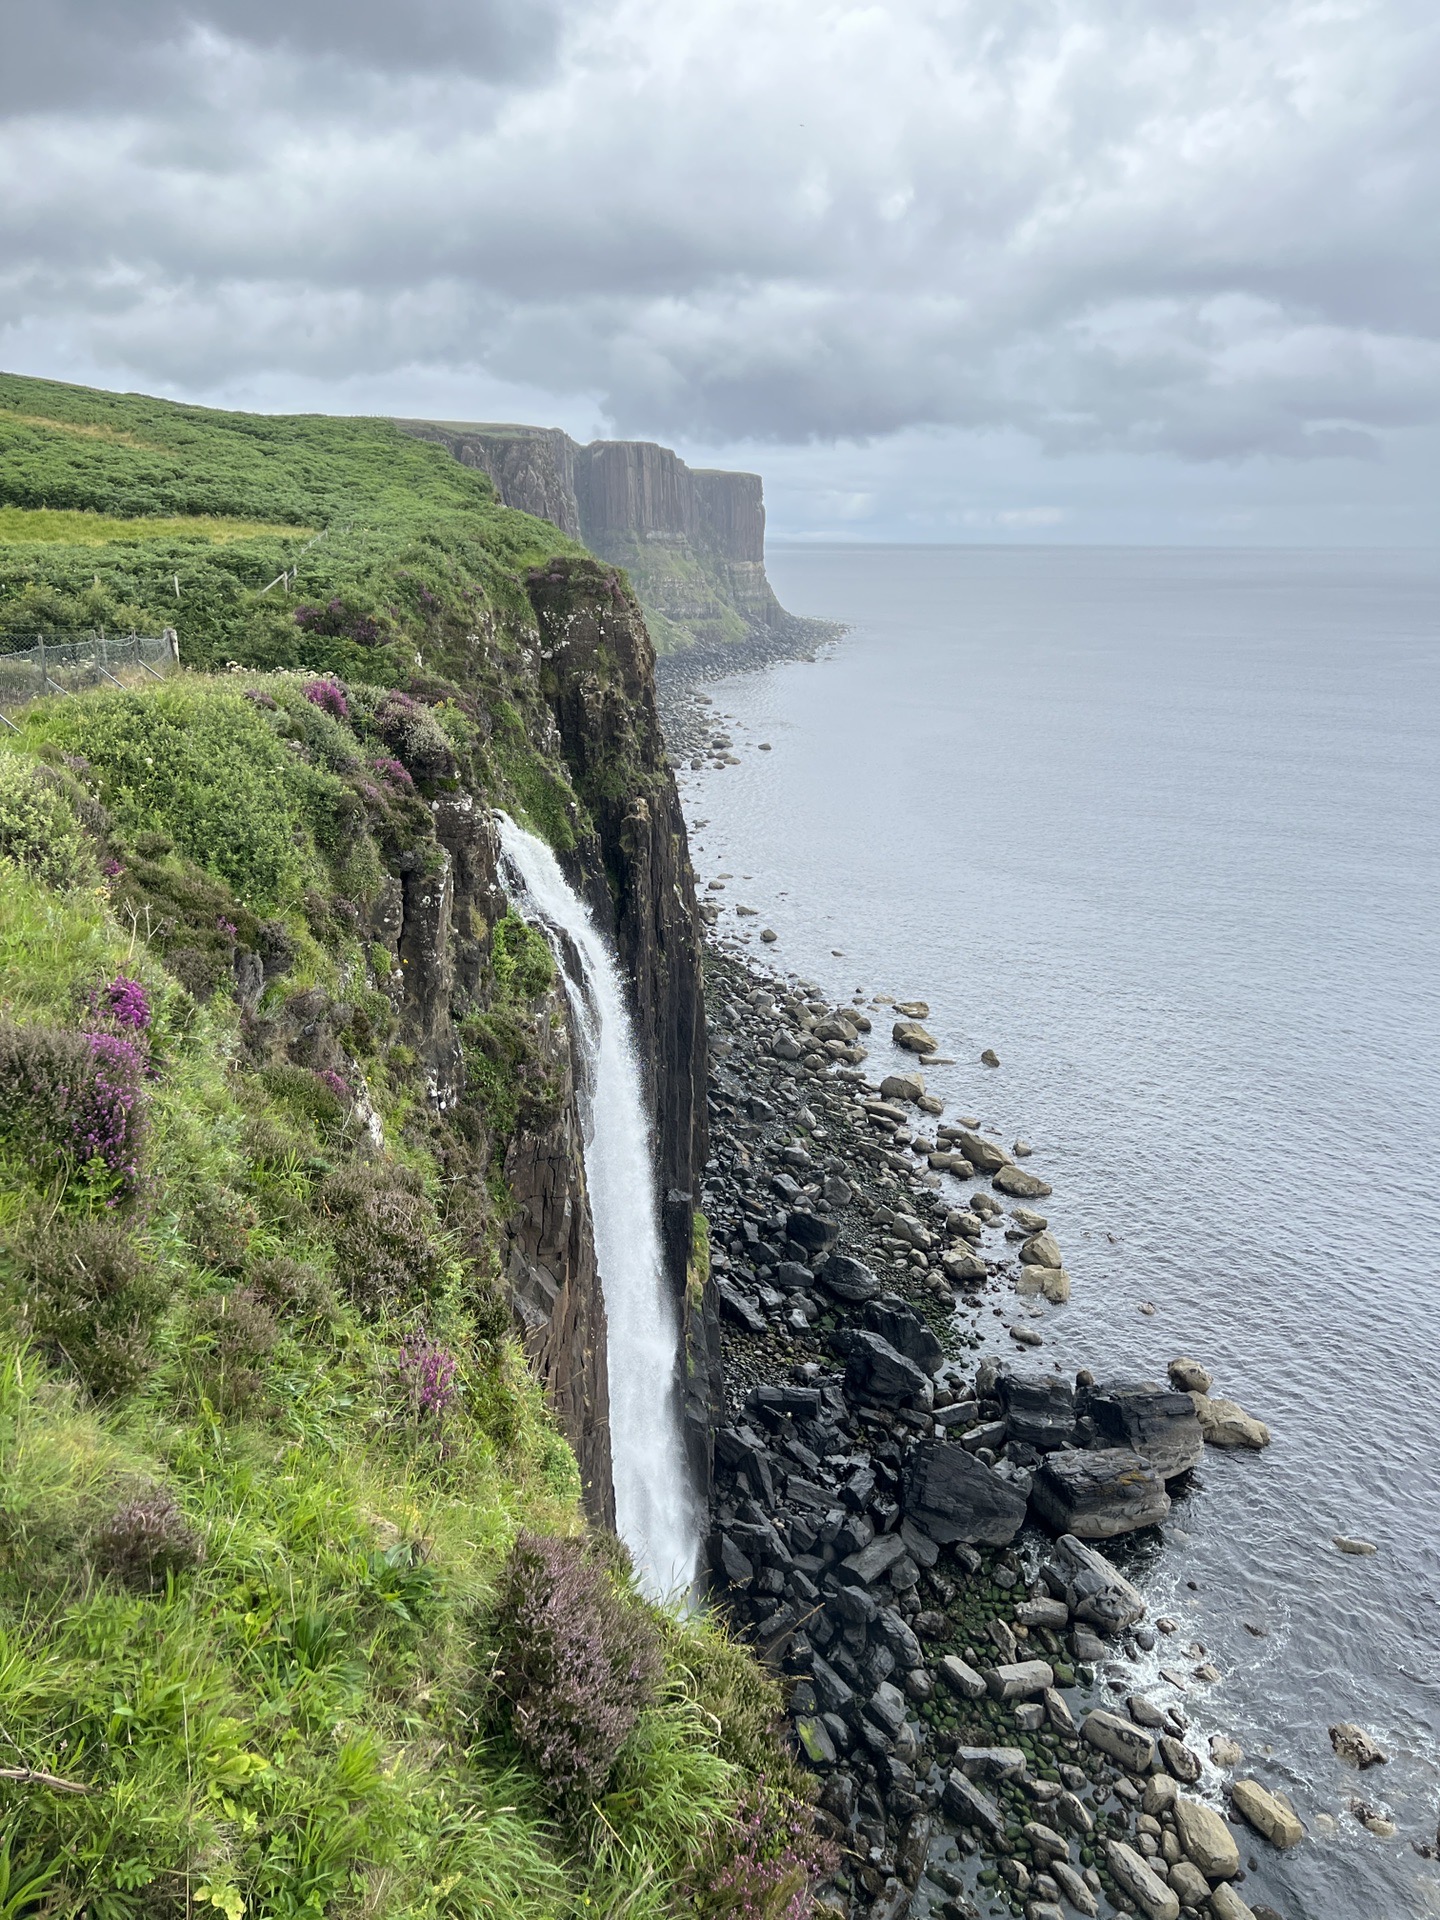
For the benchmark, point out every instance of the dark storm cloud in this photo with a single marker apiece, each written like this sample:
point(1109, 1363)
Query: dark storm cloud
point(94, 53)
point(1200, 230)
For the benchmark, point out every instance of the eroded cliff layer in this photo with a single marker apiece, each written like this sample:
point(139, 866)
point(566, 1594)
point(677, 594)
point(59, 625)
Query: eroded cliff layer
point(691, 539)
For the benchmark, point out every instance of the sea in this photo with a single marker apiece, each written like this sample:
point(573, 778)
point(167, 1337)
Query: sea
point(1162, 829)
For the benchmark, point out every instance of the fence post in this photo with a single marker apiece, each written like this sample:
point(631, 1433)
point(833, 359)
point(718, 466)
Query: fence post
point(44, 677)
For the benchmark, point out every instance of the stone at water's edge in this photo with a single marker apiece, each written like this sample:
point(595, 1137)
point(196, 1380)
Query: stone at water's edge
point(1224, 1423)
point(1096, 1591)
point(1161, 1426)
point(1267, 1813)
point(1206, 1839)
point(1144, 1886)
point(910, 1035)
point(1021, 1185)
point(1099, 1493)
point(1130, 1745)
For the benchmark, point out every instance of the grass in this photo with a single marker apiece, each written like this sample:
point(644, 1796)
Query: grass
point(52, 526)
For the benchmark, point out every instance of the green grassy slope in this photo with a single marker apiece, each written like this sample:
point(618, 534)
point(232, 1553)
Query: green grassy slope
point(413, 544)
point(266, 1440)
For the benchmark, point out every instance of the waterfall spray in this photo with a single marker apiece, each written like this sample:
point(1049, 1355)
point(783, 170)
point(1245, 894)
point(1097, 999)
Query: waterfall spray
point(654, 1503)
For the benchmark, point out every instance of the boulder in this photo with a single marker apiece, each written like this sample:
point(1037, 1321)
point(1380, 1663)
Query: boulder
point(1096, 1591)
point(1041, 1250)
point(876, 1559)
point(1020, 1681)
point(1021, 1185)
point(1226, 1904)
point(1130, 1745)
point(1160, 1426)
point(1050, 1283)
point(739, 1307)
point(972, 1806)
point(903, 1086)
point(1271, 1817)
point(898, 1322)
point(1206, 1839)
point(962, 1680)
point(1225, 1423)
point(910, 1035)
point(814, 1739)
point(1187, 1880)
point(986, 1156)
point(963, 1266)
point(1043, 1612)
point(1144, 1886)
point(850, 1281)
point(1184, 1764)
point(1099, 1494)
point(1352, 1743)
point(811, 1231)
point(1005, 1762)
point(874, 1370)
point(1188, 1376)
point(1074, 1888)
point(1039, 1408)
point(952, 1496)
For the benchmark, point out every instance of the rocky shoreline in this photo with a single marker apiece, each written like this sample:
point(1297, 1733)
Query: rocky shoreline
point(906, 1526)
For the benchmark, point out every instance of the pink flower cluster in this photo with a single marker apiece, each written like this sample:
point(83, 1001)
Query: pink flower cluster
point(126, 1002)
point(428, 1373)
point(105, 1117)
point(392, 772)
point(329, 696)
point(336, 1082)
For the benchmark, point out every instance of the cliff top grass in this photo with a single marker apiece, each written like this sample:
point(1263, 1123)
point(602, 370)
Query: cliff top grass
point(123, 511)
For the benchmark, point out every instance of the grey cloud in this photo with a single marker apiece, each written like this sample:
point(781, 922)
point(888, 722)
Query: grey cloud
point(1192, 231)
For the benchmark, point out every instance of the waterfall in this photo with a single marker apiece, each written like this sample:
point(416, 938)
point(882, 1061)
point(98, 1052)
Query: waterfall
point(654, 1504)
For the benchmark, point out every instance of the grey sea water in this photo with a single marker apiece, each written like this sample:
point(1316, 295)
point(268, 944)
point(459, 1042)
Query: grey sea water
point(1163, 829)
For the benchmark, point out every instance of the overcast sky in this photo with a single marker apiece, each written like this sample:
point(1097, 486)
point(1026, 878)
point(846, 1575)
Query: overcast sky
point(1162, 270)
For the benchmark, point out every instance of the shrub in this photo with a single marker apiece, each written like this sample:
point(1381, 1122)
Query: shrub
point(521, 958)
point(411, 731)
point(577, 1662)
point(146, 1539)
point(291, 1289)
point(234, 1332)
point(383, 1231)
point(38, 827)
point(342, 619)
point(329, 696)
point(426, 1372)
point(126, 1002)
point(763, 1864)
point(89, 1298)
point(73, 1103)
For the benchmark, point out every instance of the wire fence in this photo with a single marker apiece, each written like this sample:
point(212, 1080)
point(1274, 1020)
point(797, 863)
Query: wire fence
point(67, 666)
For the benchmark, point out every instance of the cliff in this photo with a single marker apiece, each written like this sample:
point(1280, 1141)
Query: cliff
point(300, 1322)
point(691, 539)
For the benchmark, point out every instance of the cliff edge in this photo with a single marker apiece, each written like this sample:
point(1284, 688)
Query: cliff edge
point(692, 539)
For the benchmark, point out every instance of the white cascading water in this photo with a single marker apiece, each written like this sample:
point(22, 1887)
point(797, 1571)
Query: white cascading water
point(654, 1504)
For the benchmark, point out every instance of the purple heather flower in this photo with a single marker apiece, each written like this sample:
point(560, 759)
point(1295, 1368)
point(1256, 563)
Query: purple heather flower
point(428, 1372)
point(393, 772)
point(328, 695)
point(227, 927)
point(127, 1003)
point(335, 1082)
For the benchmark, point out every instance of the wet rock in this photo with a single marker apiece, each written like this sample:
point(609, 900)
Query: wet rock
point(914, 1848)
point(1130, 1745)
point(738, 1307)
point(1224, 1752)
point(1039, 1408)
point(1145, 1887)
point(1041, 1250)
point(1096, 1591)
point(847, 1280)
point(1184, 1764)
point(903, 1086)
point(1354, 1745)
point(1271, 1817)
point(815, 1741)
point(1206, 1840)
point(989, 1058)
point(1074, 1888)
point(913, 1038)
point(1226, 1904)
point(1225, 1423)
point(899, 1324)
point(1020, 1681)
point(962, 1266)
point(1050, 1283)
point(1057, 1712)
point(972, 1806)
point(1160, 1795)
point(1073, 1811)
point(952, 1496)
point(1021, 1184)
point(1026, 1336)
point(875, 1371)
point(1360, 1548)
point(1189, 1883)
point(1188, 1376)
point(960, 1678)
point(1043, 1612)
point(986, 1156)
point(1099, 1494)
point(1161, 1427)
point(1003, 1763)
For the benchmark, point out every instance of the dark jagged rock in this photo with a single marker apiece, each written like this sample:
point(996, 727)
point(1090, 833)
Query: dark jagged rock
point(1158, 1424)
point(1095, 1591)
point(1039, 1408)
point(898, 1323)
point(1098, 1494)
point(875, 1371)
point(811, 1231)
point(951, 1495)
point(847, 1280)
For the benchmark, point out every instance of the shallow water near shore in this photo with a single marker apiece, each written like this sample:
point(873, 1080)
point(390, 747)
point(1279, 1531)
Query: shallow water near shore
point(1163, 829)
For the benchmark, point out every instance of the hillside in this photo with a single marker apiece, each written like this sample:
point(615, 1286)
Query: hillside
point(308, 1601)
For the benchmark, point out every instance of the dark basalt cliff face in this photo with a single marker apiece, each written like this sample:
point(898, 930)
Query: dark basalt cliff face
point(586, 698)
point(692, 539)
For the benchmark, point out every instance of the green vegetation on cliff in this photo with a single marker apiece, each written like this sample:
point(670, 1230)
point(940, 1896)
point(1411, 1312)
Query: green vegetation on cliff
point(299, 1614)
